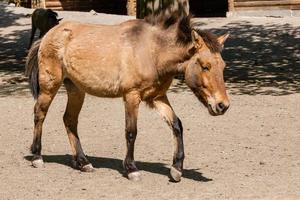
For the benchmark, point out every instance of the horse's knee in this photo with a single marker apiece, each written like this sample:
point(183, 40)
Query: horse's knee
point(39, 118)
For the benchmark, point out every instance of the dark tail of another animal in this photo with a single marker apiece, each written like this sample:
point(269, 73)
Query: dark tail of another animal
point(32, 69)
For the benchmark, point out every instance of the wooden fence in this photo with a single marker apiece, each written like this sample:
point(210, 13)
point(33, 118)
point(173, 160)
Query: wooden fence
point(129, 6)
point(266, 4)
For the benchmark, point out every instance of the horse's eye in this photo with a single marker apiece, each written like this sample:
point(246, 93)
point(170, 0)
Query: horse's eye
point(205, 68)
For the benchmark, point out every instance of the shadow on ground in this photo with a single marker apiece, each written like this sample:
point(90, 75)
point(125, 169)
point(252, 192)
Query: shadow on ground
point(7, 17)
point(261, 59)
point(116, 164)
point(13, 42)
point(12, 52)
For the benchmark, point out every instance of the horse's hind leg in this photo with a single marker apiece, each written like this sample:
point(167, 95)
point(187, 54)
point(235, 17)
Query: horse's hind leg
point(40, 111)
point(49, 86)
point(164, 108)
point(75, 101)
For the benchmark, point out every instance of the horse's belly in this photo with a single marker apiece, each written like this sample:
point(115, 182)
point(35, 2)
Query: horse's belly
point(97, 86)
point(96, 81)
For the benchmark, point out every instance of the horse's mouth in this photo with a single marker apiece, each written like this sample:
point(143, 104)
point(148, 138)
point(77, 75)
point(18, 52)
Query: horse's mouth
point(213, 111)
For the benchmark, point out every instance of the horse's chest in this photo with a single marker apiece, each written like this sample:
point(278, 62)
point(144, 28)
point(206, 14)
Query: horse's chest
point(159, 88)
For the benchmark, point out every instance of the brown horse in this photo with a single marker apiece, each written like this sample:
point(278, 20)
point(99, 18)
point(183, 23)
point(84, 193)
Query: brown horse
point(135, 60)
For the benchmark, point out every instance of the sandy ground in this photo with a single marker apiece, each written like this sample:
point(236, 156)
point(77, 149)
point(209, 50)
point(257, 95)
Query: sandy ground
point(252, 152)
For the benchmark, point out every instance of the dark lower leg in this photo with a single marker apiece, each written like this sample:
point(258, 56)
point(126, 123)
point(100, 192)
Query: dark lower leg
point(179, 149)
point(79, 157)
point(129, 163)
point(36, 146)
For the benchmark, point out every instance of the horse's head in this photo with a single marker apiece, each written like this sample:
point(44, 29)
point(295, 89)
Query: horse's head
point(204, 71)
point(52, 18)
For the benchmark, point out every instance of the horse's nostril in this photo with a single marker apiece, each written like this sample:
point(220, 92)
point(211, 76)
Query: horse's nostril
point(221, 106)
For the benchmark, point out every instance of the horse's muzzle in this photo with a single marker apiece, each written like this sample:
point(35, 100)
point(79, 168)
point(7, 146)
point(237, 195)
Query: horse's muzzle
point(217, 109)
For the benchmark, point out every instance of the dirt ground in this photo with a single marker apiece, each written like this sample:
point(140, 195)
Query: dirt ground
point(252, 152)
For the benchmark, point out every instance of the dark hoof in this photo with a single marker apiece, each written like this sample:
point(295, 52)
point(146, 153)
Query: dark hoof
point(134, 176)
point(37, 162)
point(175, 174)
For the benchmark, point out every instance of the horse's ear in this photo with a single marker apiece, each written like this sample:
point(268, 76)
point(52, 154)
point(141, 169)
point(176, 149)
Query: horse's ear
point(223, 38)
point(51, 13)
point(198, 42)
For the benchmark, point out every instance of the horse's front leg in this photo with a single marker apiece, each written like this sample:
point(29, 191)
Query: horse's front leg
point(131, 102)
point(164, 108)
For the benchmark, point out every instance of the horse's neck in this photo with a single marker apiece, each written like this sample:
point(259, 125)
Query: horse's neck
point(165, 50)
point(170, 57)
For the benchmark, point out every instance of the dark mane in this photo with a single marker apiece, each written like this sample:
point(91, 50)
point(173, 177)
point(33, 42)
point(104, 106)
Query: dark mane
point(184, 29)
point(162, 19)
point(211, 40)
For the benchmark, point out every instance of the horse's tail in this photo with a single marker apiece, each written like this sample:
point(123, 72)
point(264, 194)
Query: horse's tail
point(32, 69)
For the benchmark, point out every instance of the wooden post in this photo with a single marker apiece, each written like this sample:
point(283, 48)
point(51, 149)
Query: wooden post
point(131, 7)
point(230, 5)
point(38, 3)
